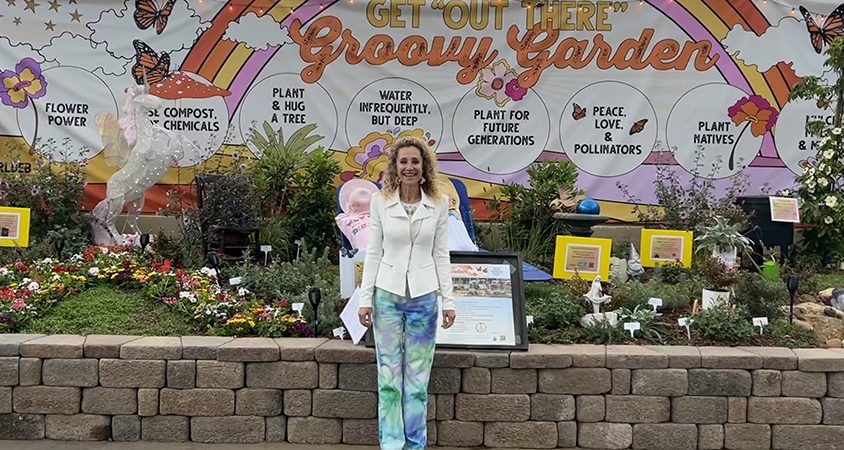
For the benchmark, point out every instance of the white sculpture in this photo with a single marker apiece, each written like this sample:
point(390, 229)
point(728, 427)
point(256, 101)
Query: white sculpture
point(634, 264)
point(153, 150)
point(596, 295)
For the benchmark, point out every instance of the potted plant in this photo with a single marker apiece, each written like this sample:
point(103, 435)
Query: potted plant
point(719, 278)
point(723, 240)
point(227, 213)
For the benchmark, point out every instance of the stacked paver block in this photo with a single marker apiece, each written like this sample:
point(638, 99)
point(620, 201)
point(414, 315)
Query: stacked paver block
point(315, 391)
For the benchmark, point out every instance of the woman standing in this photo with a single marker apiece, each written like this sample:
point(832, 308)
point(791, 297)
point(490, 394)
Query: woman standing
point(406, 263)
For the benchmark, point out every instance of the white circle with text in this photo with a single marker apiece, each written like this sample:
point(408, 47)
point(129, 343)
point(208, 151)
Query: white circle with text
point(201, 121)
point(608, 128)
point(394, 104)
point(283, 101)
point(63, 121)
point(501, 140)
point(703, 137)
point(795, 145)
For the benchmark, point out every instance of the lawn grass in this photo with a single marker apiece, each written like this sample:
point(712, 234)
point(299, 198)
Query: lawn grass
point(111, 310)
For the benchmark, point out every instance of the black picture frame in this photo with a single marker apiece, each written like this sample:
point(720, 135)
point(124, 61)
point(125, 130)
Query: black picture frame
point(517, 297)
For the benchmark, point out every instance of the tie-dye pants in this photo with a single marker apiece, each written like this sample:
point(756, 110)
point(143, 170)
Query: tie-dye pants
point(404, 329)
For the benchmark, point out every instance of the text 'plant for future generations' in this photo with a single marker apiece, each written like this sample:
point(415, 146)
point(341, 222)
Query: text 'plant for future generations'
point(820, 185)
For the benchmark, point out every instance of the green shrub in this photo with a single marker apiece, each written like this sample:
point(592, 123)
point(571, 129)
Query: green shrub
point(650, 329)
point(528, 226)
point(723, 323)
point(788, 335)
point(674, 296)
point(291, 281)
point(760, 296)
point(604, 333)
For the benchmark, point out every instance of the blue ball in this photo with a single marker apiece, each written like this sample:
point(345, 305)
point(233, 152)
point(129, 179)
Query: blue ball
point(588, 206)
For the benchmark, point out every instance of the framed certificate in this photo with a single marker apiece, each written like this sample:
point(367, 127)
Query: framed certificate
point(586, 258)
point(14, 227)
point(784, 209)
point(489, 302)
point(662, 246)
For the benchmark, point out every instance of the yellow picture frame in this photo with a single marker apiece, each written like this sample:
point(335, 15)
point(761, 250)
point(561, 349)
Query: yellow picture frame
point(677, 243)
point(583, 257)
point(14, 227)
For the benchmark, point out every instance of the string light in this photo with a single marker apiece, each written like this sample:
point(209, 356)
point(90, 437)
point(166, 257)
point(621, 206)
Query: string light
point(530, 3)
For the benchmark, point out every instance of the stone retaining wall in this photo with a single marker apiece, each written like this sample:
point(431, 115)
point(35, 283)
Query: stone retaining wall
point(314, 391)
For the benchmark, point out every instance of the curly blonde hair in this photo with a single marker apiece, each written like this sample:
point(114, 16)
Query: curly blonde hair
point(429, 167)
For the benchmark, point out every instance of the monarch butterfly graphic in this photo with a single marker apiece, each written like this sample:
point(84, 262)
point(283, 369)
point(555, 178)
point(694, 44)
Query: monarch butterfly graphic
point(150, 67)
point(638, 126)
point(833, 27)
point(147, 13)
point(578, 112)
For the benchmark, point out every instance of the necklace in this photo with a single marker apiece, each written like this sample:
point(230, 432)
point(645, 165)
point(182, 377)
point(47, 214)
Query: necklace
point(410, 208)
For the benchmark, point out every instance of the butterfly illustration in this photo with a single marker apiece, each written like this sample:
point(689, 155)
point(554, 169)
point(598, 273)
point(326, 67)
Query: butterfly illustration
point(638, 126)
point(808, 162)
point(149, 67)
point(147, 12)
point(578, 112)
point(833, 27)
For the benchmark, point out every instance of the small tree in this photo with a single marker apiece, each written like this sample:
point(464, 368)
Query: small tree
point(821, 184)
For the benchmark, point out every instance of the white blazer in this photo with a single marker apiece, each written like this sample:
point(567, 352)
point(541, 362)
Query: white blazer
point(407, 253)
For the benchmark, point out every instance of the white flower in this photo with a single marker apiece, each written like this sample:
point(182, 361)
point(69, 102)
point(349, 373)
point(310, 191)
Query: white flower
point(828, 154)
point(104, 250)
point(56, 277)
point(209, 271)
point(831, 201)
point(4, 271)
point(823, 182)
point(34, 286)
point(836, 131)
point(94, 271)
point(188, 295)
point(47, 261)
point(25, 281)
point(242, 292)
point(827, 220)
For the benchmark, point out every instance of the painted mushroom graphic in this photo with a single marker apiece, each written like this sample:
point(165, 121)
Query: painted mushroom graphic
point(180, 85)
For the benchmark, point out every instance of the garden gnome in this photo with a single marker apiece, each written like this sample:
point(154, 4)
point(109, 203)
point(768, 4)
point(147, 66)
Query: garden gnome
point(634, 264)
point(596, 295)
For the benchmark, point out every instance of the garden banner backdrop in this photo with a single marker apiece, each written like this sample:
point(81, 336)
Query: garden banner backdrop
point(493, 85)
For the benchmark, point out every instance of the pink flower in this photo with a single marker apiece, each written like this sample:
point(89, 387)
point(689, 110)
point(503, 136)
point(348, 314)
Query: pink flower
point(170, 300)
point(757, 112)
point(18, 304)
point(493, 82)
point(515, 90)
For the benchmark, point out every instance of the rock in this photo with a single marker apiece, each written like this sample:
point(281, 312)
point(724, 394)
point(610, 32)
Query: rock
point(837, 298)
point(829, 311)
point(833, 343)
point(804, 324)
point(808, 298)
point(802, 310)
point(825, 295)
point(618, 270)
point(826, 328)
point(591, 319)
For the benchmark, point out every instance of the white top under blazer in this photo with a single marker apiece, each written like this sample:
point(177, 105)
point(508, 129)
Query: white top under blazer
point(407, 254)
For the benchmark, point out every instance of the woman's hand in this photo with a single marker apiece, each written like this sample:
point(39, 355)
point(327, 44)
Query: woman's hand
point(365, 316)
point(448, 318)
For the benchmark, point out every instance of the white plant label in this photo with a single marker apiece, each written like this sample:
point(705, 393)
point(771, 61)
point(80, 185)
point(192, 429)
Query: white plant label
point(760, 322)
point(687, 323)
point(235, 281)
point(339, 332)
point(266, 248)
point(632, 327)
point(656, 303)
point(529, 319)
point(298, 307)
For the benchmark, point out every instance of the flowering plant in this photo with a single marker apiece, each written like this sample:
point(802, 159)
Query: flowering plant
point(821, 183)
point(28, 289)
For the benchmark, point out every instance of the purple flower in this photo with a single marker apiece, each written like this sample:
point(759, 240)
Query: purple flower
point(24, 83)
point(514, 90)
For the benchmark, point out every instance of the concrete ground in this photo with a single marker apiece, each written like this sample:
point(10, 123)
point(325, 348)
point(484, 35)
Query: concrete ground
point(61, 445)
